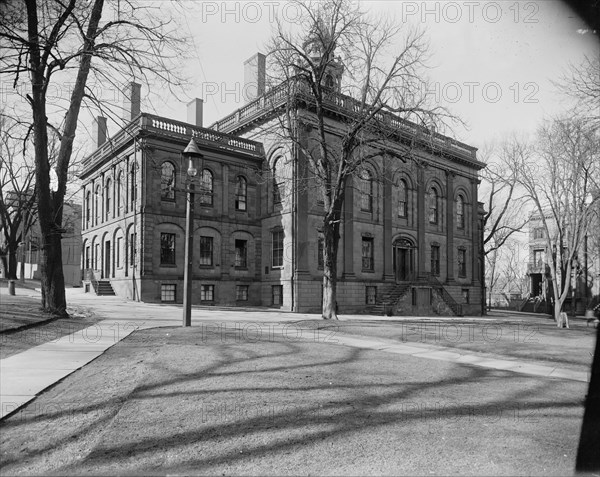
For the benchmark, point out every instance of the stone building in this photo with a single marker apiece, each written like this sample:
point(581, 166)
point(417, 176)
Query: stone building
point(134, 202)
point(411, 236)
point(28, 253)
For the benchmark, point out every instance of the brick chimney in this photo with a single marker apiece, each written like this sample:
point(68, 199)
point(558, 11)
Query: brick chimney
point(131, 101)
point(99, 131)
point(194, 112)
point(254, 77)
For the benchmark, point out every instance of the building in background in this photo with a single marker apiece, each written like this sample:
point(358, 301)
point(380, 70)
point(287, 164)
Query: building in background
point(29, 251)
point(585, 281)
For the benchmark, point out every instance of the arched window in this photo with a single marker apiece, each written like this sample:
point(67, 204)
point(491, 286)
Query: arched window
point(206, 187)
point(329, 82)
point(107, 198)
point(365, 184)
point(402, 199)
point(119, 191)
point(460, 212)
point(241, 191)
point(167, 181)
point(278, 184)
point(433, 206)
point(88, 200)
point(96, 203)
point(133, 184)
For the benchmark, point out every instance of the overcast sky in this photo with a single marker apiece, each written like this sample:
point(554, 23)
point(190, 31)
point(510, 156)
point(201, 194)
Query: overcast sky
point(492, 62)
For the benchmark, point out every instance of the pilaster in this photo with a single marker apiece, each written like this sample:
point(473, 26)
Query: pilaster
point(348, 224)
point(421, 215)
point(388, 208)
point(474, 231)
point(450, 226)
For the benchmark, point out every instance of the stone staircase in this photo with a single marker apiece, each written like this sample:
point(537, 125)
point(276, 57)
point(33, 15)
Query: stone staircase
point(390, 296)
point(446, 297)
point(104, 288)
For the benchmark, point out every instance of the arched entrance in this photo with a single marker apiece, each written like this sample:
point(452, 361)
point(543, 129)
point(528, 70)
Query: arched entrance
point(404, 259)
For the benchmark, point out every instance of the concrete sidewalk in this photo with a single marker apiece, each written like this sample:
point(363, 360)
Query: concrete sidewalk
point(23, 376)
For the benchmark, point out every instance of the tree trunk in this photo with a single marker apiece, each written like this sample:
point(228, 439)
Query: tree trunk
point(53, 281)
point(22, 270)
point(331, 233)
point(4, 264)
point(11, 271)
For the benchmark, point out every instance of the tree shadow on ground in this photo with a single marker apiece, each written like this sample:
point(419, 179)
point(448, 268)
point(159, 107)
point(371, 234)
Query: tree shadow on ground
point(308, 412)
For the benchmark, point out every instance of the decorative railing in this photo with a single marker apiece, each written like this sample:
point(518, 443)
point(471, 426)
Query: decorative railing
point(160, 125)
point(91, 277)
point(344, 104)
point(448, 299)
point(538, 267)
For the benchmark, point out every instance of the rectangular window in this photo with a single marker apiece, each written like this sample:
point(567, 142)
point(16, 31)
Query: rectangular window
point(118, 252)
point(241, 252)
point(206, 251)
point(462, 262)
point(241, 191)
point(538, 233)
point(168, 292)
point(465, 296)
point(277, 248)
point(320, 250)
point(167, 249)
point(367, 254)
point(539, 257)
point(241, 292)
point(371, 295)
point(207, 293)
point(132, 249)
point(277, 294)
point(278, 192)
point(133, 185)
point(435, 259)
point(87, 257)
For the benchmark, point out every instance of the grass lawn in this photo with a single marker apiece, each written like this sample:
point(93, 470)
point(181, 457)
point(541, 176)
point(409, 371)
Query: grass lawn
point(24, 325)
point(176, 400)
point(531, 338)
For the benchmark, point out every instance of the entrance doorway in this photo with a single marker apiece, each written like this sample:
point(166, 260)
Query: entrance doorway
point(403, 260)
point(106, 271)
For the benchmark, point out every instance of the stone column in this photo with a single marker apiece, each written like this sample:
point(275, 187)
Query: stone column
point(225, 198)
point(421, 216)
point(450, 226)
point(474, 231)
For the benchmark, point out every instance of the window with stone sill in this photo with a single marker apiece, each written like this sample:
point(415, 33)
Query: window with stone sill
point(241, 253)
point(241, 292)
point(167, 249)
point(367, 254)
point(168, 292)
point(462, 262)
point(206, 188)
point(206, 251)
point(207, 293)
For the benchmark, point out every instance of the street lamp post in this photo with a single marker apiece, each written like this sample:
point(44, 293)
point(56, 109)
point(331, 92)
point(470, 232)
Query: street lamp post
point(191, 152)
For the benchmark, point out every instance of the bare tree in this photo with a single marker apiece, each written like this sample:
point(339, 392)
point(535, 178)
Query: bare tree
point(560, 176)
point(382, 67)
point(505, 204)
point(47, 45)
point(582, 83)
point(17, 192)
